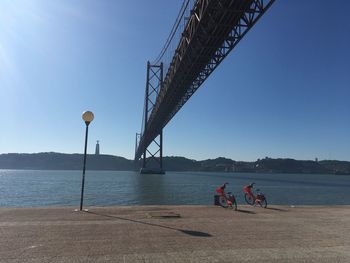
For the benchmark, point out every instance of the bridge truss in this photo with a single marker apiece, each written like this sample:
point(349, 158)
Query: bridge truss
point(212, 30)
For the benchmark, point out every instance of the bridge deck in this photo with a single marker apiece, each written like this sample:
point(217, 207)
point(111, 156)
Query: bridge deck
point(212, 31)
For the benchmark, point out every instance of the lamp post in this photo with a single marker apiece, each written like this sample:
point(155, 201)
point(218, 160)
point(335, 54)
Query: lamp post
point(87, 116)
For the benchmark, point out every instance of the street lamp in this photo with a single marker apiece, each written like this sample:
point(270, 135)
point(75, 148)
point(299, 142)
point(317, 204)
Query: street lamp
point(87, 116)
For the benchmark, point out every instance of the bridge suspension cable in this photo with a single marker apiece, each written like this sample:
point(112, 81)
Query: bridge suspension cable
point(173, 31)
point(169, 46)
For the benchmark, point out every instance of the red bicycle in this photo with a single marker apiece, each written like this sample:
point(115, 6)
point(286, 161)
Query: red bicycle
point(226, 200)
point(259, 198)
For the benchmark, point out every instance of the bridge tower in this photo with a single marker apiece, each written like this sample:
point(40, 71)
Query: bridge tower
point(154, 83)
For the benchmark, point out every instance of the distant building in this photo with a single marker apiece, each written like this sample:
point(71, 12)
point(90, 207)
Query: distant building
point(316, 160)
point(97, 150)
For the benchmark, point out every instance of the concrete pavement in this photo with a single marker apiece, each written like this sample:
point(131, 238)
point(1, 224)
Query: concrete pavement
point(176, 234)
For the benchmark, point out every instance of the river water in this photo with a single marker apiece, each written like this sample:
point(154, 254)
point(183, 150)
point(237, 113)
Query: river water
point(27, 188)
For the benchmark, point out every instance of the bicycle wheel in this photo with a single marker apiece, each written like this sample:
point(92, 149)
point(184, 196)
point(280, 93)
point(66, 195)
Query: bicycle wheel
point(263, 203)
point(223, 202)
point(249, 199)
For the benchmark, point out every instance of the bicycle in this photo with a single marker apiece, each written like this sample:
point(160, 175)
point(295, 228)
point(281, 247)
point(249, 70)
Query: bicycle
point(252, 199)
point(227, 199)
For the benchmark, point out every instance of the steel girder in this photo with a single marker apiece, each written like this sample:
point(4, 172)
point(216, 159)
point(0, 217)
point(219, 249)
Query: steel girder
point(154, 83)
point(212, 31)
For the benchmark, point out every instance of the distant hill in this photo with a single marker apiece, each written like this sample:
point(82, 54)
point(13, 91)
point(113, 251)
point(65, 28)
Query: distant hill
point(289, 166)
point(60, 161)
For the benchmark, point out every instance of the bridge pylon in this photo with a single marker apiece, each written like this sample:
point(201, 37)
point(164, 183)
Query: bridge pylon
point(153, 163)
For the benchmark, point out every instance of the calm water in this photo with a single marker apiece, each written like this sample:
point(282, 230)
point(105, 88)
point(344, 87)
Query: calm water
point(104, 188)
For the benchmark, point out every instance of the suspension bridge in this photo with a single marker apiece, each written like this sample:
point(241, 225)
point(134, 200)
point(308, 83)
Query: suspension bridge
point(204, 33)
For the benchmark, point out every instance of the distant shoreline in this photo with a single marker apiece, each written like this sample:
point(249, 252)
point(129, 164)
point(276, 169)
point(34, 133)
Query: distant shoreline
point(67, 162)
point(97, 170)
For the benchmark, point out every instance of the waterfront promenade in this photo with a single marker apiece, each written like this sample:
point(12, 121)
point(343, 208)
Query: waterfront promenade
point(176, 234)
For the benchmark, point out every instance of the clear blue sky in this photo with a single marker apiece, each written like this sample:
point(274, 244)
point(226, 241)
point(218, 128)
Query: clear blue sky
point(283, 92)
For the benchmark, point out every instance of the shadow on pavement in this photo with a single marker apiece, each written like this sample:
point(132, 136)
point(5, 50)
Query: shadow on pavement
point(277, 209)
point(194, 233)
point(185, 231)
point(245, 211)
